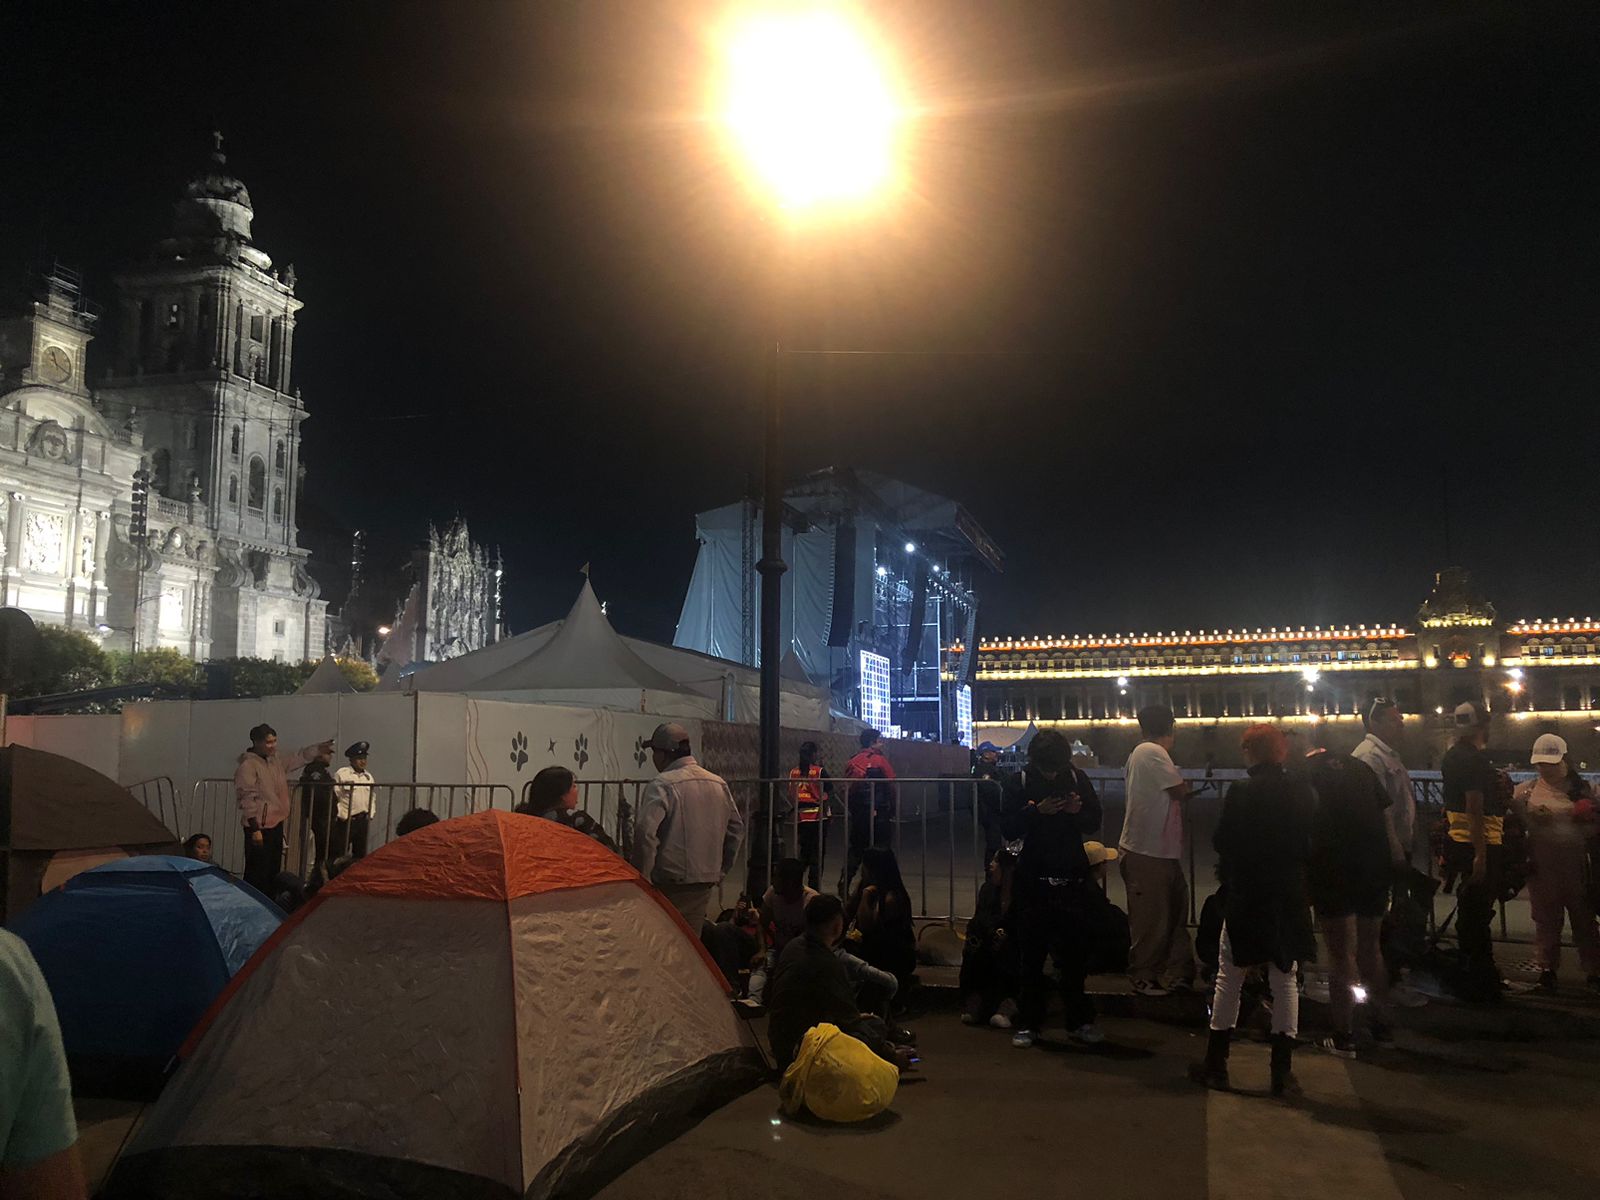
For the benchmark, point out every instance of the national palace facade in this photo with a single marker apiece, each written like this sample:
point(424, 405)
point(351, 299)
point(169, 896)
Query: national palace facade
point(1533, 675)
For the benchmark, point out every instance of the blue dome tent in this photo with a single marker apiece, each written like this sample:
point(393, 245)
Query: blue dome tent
point(134, 952)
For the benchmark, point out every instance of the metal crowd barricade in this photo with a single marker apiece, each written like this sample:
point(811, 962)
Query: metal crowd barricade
point(160, 796)
point(611, 802)
point(939, 843)
point(316, 835)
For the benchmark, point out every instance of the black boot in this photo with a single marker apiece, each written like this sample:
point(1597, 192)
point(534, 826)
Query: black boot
point(1213, 1072)
point(1283, 1081)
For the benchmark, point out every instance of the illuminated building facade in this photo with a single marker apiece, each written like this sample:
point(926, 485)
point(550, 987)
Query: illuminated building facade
point(1533, 676)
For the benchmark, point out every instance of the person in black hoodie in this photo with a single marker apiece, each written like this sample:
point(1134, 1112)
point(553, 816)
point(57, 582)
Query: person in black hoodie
point(1263, 841)
point(1052, 806)
point(1351, 874)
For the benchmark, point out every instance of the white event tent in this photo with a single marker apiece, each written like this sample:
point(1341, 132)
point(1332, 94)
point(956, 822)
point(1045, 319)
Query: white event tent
point(582, 660)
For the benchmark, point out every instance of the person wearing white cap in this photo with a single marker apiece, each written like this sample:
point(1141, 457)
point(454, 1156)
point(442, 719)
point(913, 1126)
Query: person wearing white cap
point(1475, 810)
point(1557, 807)
point(688, 829)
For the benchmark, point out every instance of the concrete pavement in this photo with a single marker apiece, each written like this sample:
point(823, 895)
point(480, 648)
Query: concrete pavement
point(1429, 1120)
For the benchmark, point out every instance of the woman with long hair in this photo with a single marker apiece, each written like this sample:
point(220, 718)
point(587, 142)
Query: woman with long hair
point(1557, 808)
point(879, 914)
point(553, 795)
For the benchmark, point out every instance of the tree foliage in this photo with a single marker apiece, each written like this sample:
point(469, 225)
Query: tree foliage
point(358, 673)
point(265, 676)
point(64, 660)
point(164, 665)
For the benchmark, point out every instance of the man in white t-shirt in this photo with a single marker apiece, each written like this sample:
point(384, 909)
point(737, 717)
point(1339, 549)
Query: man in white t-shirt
point(1162, 957)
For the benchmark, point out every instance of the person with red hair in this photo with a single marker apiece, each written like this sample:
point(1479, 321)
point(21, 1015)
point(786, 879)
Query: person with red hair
point(1263, 842)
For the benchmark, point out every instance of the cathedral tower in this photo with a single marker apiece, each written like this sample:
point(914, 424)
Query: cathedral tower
point(204, 366)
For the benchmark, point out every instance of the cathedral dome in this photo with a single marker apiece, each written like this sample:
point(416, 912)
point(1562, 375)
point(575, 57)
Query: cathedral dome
point(214, 215)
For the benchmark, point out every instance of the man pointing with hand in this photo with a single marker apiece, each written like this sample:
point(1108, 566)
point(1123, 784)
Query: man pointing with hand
point(261, 782)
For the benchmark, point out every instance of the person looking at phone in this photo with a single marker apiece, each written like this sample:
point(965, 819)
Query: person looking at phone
point(1052, 806)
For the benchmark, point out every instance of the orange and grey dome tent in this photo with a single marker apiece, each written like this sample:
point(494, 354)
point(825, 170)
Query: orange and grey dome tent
point(59, 817)
point(492, 1006)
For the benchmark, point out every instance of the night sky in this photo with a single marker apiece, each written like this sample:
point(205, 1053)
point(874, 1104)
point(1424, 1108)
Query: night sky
point(1212, 313)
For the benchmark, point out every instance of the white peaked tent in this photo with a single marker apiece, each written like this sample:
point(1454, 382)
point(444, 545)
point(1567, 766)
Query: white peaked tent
point(701, 685)
point(585, 662)
point(490, 1008)
point(326, 680)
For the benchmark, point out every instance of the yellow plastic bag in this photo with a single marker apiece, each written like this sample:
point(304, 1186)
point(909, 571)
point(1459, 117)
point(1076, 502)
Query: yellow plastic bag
point(838, 1078)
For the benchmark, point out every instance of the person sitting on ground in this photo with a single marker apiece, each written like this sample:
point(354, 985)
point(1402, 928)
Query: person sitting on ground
point(38, 1132)
point(1351, 872)
point(417, 818)
point(783, 908)
point(1262, 841)
point(198, 847)
point(991, 959)
point(735, 945)
point(879, 914)
point(809, 988)
point(553, 795)
point(783, 915)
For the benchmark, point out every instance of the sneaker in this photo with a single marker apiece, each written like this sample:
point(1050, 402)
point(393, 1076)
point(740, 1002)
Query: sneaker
point(1149, 987)
point(969, 1018)
point(1383, 1035)
point(1340, 1045)
point(1087, 1035)
point(1547, 981)
point(1000, 1021)
point(1023, 1039)
point(1182, 987)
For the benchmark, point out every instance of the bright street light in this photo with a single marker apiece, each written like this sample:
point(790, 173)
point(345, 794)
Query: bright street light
point(809, 104)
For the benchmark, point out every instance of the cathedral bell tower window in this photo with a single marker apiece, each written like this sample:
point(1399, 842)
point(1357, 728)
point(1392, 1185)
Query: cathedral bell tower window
point(279, 460)
point(277, 504)
point(233, 442)
point(233, 489)
point(256, 489)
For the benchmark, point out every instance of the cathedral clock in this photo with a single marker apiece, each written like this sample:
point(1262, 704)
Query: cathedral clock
point(56, 366)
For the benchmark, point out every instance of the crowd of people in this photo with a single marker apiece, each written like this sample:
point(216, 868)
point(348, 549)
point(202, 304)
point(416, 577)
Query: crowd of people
point(1314, 851)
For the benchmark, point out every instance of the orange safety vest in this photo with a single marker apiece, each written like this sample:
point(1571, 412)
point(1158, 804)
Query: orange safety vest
point(807, 796)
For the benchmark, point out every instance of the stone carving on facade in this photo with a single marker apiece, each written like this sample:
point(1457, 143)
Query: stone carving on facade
point(231, 569)
point(50, 441)
point(86, 556)
point(43, 542)
point(304, 584)
point(123, 555)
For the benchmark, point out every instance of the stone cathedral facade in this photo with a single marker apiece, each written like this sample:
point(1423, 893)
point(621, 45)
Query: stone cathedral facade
point(200, 391)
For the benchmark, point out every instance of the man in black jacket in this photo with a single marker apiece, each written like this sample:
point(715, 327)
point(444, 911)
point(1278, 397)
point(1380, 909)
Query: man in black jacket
point(809, 987)
point(1052, 806)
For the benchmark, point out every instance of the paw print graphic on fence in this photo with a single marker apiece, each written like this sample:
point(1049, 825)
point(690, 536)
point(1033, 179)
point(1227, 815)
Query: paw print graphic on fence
point(639, 752)
point(519, 750)
point(580, 750)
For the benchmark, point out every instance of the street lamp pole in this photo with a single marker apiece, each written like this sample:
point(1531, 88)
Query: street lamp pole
point(809, 108)
point(772, 567)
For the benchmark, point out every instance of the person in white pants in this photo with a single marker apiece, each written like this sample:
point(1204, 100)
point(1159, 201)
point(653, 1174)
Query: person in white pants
point(1263, 841)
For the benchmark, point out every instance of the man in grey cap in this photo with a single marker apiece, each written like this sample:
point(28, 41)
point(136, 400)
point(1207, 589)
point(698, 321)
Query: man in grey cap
point(688, 828)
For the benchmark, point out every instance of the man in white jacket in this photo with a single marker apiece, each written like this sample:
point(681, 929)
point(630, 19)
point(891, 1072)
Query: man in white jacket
point(261, 782)
point(688, 828)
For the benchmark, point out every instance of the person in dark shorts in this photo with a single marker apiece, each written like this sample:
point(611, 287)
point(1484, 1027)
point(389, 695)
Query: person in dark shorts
point(1475, 809)
point(1350, 876)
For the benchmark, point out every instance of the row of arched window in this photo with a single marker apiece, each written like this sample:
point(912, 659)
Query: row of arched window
point(280, 452)
point(256, 489)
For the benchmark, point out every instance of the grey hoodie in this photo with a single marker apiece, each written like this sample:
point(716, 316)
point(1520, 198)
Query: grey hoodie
point(262, 785)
